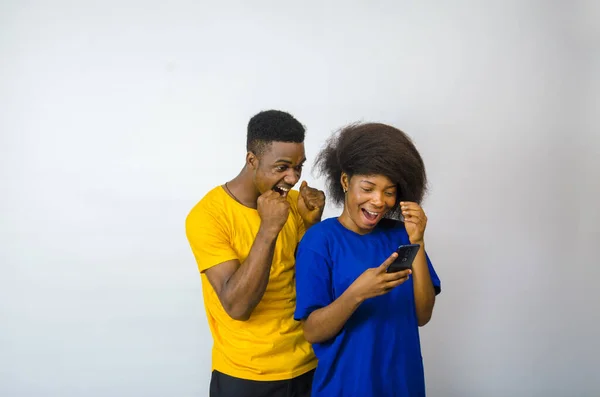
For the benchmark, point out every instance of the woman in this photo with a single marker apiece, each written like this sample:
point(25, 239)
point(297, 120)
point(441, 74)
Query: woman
point(363, 321)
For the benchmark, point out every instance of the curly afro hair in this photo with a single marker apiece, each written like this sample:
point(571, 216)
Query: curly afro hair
point(373, 149)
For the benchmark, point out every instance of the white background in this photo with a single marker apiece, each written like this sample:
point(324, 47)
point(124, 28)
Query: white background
point(116, 117)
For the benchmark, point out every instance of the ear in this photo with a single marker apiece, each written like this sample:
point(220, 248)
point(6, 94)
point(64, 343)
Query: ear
point(345, 181)
point(251, 161)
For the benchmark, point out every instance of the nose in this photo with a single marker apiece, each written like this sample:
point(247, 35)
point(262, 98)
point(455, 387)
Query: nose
point(377, 200)
point(292, 176)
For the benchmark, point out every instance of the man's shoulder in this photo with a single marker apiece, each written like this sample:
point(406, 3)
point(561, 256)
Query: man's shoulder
point(292, 197)
point(208, 205)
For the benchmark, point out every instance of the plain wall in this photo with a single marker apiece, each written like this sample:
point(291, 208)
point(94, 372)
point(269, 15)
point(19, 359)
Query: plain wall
point(116, 117)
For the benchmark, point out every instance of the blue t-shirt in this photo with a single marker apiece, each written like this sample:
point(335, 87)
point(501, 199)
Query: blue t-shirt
point(378, 352)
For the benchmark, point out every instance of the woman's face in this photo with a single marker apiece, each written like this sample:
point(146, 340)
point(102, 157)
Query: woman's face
point(368, 199)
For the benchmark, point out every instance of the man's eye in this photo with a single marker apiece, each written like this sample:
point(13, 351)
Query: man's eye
point(281, 168)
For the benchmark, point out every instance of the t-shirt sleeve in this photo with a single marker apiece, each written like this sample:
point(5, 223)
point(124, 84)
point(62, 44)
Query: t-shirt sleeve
point(437, 284)
point(209, 239)
point(313, 281)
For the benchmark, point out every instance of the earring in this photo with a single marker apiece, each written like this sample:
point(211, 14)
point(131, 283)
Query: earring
point(345, 190)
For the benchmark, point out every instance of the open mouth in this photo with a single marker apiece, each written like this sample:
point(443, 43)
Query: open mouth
point(371, 217)
point(282, 190)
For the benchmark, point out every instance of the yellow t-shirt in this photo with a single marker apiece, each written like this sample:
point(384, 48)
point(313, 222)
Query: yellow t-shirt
point(270, 345)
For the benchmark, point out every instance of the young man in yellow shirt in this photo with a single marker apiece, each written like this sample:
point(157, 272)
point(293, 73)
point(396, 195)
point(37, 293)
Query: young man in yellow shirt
point(244, 235)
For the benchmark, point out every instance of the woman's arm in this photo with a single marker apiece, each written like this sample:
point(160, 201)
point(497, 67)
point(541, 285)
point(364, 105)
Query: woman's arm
point(415, 222)
point(326, 322)
point(423, 287)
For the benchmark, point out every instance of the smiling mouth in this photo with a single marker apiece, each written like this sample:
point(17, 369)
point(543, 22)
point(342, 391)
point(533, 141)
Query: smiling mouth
point(282, 190)
point(370, 216)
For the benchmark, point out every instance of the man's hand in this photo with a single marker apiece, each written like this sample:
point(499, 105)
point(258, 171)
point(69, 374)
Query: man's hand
point(311, 203)
point(415, 221)
point(273, 210)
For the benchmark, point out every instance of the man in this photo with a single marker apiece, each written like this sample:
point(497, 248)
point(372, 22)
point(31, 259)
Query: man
point(244, 235)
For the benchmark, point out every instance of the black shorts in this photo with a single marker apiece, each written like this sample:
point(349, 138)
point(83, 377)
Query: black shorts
point(222, 385)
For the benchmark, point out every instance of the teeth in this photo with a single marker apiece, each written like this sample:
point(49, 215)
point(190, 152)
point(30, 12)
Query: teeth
point(372, 213)
point(284, 189)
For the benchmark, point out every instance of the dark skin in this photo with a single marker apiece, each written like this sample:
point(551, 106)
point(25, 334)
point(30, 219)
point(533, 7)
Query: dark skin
point(262, 185)
point(376, 195)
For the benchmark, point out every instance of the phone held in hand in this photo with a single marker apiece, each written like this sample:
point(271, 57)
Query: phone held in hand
point(406, 256)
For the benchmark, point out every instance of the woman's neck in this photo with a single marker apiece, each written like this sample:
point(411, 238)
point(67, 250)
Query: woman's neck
point(346, 220)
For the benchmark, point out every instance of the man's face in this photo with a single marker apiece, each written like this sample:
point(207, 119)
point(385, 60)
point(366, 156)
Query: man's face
point(279, 167)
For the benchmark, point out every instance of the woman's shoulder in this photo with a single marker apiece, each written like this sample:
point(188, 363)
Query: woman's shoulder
point(318, 239)
point(321, 229)
point(320, 234)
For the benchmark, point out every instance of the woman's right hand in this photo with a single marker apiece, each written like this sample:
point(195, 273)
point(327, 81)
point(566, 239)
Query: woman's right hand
point(377, 281)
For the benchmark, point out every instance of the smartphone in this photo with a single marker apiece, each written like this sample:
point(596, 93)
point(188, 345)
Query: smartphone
point(406, 256)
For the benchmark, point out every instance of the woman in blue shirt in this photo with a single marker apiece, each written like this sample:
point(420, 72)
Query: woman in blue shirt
point(364, 322)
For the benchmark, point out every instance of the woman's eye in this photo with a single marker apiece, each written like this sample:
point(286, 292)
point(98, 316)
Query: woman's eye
point(390, 194)
point(366, 190)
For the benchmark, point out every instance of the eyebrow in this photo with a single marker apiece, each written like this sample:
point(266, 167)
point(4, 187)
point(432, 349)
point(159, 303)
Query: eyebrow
point(371, 183)
point(289, 162)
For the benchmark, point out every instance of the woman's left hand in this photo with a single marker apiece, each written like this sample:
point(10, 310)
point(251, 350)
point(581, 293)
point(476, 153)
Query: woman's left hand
point(415, 221)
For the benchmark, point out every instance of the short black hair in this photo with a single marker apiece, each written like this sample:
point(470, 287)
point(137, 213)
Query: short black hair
point(272, 126)
point(373, 149)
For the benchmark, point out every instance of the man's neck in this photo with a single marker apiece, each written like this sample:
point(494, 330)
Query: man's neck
point(242, 189)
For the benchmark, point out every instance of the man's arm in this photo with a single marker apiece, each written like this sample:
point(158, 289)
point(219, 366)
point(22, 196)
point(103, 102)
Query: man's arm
point(240, 287)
